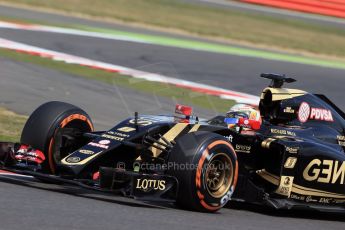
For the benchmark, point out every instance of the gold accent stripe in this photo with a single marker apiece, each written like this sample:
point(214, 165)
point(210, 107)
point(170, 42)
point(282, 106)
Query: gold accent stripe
point(195, 128)
point(170, 135)
point(297, 188)
point(268, 176)
point(282, 93)
point(308, 191)
point(266, 143)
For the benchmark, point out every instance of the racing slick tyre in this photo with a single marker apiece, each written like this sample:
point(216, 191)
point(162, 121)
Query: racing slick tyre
point(205, 165)
point(43, 124)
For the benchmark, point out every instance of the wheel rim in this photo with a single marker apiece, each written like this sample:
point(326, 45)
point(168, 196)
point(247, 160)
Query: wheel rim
point(53, 157)
point(219, 175)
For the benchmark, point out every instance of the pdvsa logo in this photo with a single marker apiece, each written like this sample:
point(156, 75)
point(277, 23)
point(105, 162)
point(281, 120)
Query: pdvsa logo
point(305, 113)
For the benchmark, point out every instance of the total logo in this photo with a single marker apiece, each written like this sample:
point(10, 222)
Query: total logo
point(305, 113)
point(101, 144)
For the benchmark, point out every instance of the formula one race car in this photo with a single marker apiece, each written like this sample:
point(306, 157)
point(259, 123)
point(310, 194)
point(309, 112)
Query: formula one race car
point(293, 159)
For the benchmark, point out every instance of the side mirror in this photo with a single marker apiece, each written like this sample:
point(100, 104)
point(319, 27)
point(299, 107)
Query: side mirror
point(183, 113)
point(248, 123)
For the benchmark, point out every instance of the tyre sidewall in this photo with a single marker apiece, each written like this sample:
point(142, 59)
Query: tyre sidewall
point(41, 127)
point(191, 150)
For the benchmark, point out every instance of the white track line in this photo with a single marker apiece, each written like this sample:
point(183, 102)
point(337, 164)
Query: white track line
point(69, 31)
point(71, 59)
point(11, 174)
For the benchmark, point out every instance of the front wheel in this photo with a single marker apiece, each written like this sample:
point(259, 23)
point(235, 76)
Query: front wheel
point(206, 167)
point(40, 130)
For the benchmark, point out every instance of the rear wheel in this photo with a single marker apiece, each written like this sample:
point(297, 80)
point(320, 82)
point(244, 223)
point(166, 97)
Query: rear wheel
point(43, 125)
point(205, 165)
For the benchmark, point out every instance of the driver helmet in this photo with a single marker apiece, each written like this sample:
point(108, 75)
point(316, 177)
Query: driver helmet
point(244, 111)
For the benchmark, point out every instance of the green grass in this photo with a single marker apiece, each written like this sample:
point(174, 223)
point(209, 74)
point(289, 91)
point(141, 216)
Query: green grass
point(22, 20)
point(11, 125)
point(178, 94)
point(174, 15)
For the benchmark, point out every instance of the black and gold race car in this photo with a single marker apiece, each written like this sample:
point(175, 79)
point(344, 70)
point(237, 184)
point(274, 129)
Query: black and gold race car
point(294, 159)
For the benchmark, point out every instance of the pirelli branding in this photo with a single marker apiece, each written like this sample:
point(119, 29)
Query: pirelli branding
point(325, 171)
point(116, 135)
point(116, 138)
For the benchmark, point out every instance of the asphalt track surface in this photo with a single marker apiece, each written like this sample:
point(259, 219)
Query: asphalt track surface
point(106, 104)
point(25, 86)
point(232, 72)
